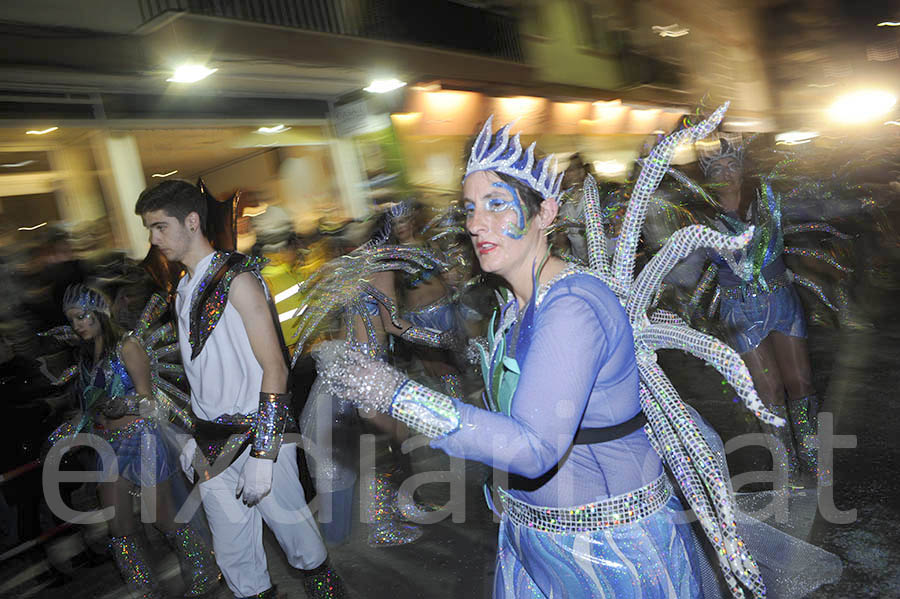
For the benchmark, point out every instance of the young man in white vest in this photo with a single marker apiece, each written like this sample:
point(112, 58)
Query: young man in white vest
point(236, 367)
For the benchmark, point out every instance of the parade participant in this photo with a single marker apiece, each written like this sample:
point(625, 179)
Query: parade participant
point(427, 300)
point(359, 287)
point(118, 390)
point(568, 372)
point(236, 368)
point(758, 304)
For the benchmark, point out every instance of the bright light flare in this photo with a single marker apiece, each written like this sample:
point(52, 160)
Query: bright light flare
point(163, 175)
point(862, 106)
point(381, 86)
point(32, 228)
point(190, 73)
point(609, 168)
point(279, 128)
point(41, 131)
point(17, 164)
point(673, 30)
point(889, 24)
point(793, 138)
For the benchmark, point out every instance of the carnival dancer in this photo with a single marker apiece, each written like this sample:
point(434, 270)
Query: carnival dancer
point(568, 373)
point(758, 304)
point(119, 390)
point(427, 300)
point(236, 368)
point(360, 288)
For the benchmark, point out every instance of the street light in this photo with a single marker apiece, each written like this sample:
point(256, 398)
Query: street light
point(41, 131)
point(793, 138)
point(862, 106)
point(190, 73)
point(381, 86)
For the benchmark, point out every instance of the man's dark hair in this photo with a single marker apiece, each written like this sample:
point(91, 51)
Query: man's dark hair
point(176, 198)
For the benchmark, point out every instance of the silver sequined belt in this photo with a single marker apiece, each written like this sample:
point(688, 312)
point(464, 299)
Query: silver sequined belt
point(744, 291)
point(606, 513)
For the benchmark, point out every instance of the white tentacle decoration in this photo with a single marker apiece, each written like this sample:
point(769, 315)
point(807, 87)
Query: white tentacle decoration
point(671, 429)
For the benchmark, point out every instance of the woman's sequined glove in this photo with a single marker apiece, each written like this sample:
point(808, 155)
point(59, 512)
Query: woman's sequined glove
point(374, 386)
point(354, 376)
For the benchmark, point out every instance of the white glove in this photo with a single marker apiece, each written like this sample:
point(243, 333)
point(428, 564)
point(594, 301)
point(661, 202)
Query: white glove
point(255, 480)
point(187, 458)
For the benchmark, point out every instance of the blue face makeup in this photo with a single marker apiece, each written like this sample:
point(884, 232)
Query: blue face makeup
point(499, 203)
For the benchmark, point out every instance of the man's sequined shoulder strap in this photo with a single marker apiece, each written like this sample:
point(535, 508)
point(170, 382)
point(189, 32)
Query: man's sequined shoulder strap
point(211, 294)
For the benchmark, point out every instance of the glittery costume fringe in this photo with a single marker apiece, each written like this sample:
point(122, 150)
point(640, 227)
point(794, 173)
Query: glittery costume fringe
point(197, 563)
point(341, 284)
point(130, 557)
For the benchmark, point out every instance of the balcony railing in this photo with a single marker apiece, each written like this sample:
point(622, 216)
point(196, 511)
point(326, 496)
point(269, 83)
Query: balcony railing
point(437, 23)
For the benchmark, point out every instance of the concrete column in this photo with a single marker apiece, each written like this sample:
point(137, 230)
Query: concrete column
point(126, 178)
point(348, 172)
point(79, 198)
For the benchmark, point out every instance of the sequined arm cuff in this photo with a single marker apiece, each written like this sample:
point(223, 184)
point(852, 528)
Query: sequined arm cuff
point(429, 412)
point(268, 426)
point(66, 429)
point(426, 336)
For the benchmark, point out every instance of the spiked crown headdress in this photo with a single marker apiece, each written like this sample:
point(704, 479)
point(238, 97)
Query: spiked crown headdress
point(506, 156)
point(722, 145)
point(401, 209)
point(85, 298)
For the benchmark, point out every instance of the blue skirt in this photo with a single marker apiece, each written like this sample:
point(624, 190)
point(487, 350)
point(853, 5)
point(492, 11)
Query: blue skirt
point(142, 454)
point(652, 558)
point(750, 318)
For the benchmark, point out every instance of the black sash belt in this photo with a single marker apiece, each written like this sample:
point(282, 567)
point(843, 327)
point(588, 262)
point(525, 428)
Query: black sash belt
point(588, 436)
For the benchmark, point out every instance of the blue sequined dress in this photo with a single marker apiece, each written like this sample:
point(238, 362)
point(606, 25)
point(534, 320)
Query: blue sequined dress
point(573, 366)
point(757, 296)
point(143, 455)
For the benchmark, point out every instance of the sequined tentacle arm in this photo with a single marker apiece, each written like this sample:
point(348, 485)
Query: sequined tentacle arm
point(706, 282)
point(429, 412)
point(817, 254)
point(815, 227)
point(714, 304)
point(427, 336)
point(268, 425)
point(816, 289)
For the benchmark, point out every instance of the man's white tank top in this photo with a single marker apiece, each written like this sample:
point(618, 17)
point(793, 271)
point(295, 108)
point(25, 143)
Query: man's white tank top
point(225, 377)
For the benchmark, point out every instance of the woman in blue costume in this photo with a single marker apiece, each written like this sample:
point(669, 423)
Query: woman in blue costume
point(589, 511)
point(117, 400)
point(427, 300)
point(759, 306)
point(361, 288)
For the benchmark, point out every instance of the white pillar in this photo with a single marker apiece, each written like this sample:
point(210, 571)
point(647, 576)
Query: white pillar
point(127, 178)
point(348, 172)
point(79, 199)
